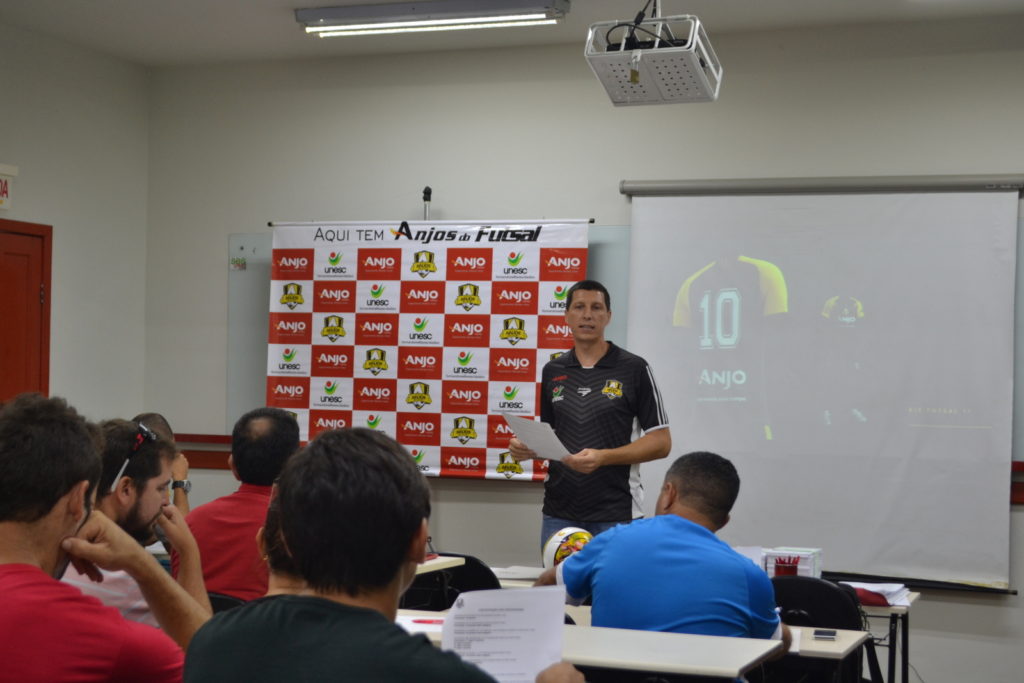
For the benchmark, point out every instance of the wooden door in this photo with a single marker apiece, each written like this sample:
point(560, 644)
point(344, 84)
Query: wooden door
point(25, 250)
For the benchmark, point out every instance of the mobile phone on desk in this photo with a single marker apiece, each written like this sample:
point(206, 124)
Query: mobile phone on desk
point(824, 634)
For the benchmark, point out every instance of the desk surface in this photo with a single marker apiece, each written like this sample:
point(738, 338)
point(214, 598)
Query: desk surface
point(438, 563)
point(844, 644)
point(617, 648)
point(875, 611)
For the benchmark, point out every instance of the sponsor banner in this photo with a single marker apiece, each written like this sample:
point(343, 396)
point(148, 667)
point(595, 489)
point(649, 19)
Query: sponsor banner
point(424, 264)
point(419, 429)
point(540, 469)
point(288, 359)
point(290, 328)
point(292, 264)
point(420, 330)
point(467, 330)
point(376, 361)
point(464, 397)
point(424, 331)
point(468, 296)
point(522, 263)
point(472, 265)
point(325, 420)
point(466, 363)
point(291, 296)
point(376, 329)
point(378, 296)
point(514, 298)
point(302, 417)
point(553, 297)
point(423, 297)
point(374, 395)
point(332, 361)
point(331, 392)
point(381, 421)
point(379, 264)
point(464, 462)
point(334, 296)
point(420, 362)
point(333, 328)
point(498, 432)
point(463, 430)
point(290, 393)
point(419, 395)
point(553, 333)
point(513, 365)
point(335, 264)
point(516, 398)
point(503, 466)
point(510, 331)
point(427, 459)
point(566, 265)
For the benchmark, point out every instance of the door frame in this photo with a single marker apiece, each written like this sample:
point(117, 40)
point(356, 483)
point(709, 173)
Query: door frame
point(45, 232)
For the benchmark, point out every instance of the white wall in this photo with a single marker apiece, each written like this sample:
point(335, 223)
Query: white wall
point(509, 133)
point(75, 124)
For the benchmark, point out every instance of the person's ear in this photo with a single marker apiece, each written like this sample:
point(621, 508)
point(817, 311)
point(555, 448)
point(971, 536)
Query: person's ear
point(261, 542)
point(77, 506)
point(418, 545)
point(231, 464)
point(124, 491)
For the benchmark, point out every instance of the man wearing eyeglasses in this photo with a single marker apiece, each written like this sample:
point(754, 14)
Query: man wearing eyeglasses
point(134, 492)
point(49, 473)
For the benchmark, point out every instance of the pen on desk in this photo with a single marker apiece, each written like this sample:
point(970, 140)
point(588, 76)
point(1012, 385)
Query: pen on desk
point(428, 621)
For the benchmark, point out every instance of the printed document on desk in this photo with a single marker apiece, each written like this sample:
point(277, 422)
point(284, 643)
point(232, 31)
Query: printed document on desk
point(539, 437)
point(512, 635)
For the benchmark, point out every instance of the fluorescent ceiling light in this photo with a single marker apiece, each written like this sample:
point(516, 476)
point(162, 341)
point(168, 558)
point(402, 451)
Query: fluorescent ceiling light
point(438, 15)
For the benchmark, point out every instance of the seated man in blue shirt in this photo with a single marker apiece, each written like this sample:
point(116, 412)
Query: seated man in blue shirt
point(670, 572)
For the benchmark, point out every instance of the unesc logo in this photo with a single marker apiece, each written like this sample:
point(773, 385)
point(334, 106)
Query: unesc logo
point(423, 263)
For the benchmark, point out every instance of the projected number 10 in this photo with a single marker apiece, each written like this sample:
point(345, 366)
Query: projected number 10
point(721, 319)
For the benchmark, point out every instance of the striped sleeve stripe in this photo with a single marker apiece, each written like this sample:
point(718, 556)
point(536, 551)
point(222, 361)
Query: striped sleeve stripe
point(662, 415)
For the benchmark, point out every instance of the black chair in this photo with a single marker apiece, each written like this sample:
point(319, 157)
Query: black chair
point(816, 603)
point(221, 602)
point(438, 590)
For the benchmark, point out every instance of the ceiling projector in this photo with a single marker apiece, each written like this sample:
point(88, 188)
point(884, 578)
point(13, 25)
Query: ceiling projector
point(661, 60)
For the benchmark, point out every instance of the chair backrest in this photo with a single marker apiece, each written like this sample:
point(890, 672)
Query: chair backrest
point(438, 590)
point(807, 601)
point(220, 602)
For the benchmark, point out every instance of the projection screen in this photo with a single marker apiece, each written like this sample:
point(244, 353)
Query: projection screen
point(853, 355)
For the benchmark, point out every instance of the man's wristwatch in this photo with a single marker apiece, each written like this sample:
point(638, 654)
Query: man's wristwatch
point(183, 484)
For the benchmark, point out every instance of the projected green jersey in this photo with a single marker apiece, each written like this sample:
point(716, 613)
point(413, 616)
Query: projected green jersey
point(726, 305)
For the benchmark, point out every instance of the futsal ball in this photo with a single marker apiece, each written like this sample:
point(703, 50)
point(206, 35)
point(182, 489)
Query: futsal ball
point(564, 543)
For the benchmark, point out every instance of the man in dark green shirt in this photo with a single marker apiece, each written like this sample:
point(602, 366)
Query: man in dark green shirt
point(351, 516)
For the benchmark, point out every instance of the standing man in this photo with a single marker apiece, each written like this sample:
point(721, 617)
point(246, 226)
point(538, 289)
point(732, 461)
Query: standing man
point(592, 396)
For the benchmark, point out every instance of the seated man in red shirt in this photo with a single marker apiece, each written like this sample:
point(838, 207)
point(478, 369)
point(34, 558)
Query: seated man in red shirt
point(225, 529)
point(49, 469)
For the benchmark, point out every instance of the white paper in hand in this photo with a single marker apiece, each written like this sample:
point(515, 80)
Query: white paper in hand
point(539, 437)
point(511, 634)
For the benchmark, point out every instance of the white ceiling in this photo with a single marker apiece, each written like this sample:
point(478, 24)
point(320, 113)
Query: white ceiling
point(173, 32)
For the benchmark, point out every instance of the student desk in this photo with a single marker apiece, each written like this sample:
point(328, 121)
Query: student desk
point(899, 625)
point(438, 563)
point(651, 651)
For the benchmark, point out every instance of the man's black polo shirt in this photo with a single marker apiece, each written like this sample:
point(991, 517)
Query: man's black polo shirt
point(597, 408)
